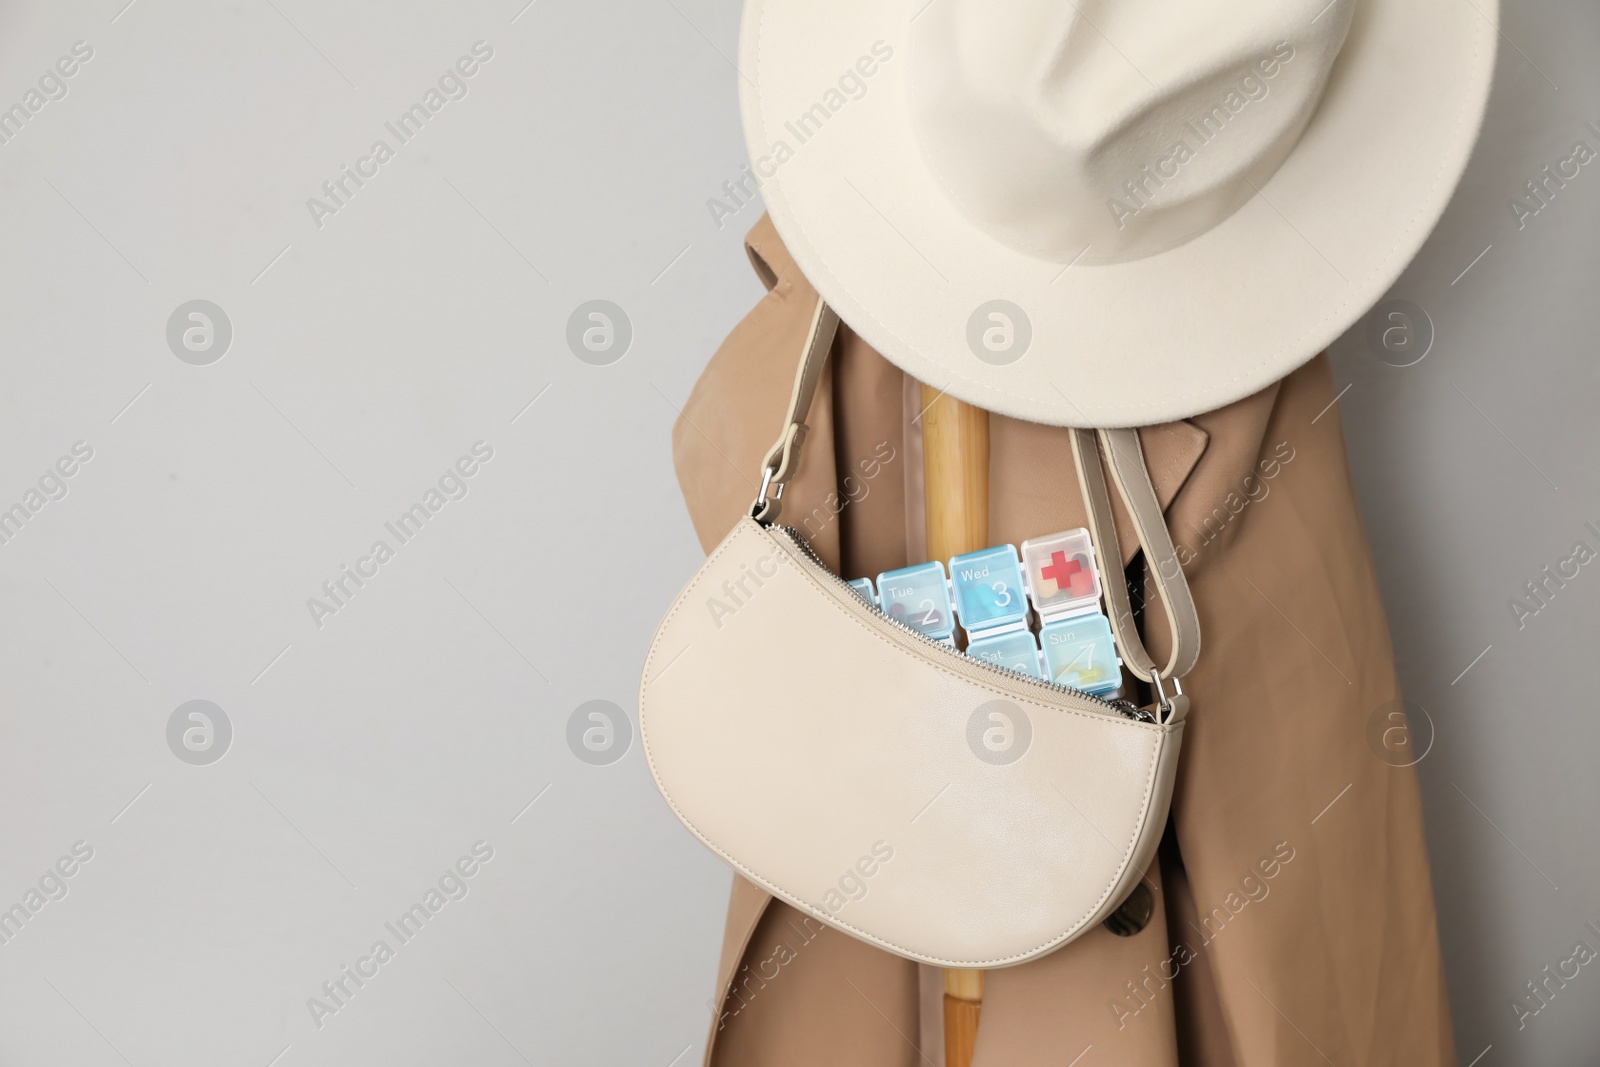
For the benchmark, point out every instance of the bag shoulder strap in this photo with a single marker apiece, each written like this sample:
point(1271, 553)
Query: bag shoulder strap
point(784, 455)
point(1126, 456)
point(1126, 459)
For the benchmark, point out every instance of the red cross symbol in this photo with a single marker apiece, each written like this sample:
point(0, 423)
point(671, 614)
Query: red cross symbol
point(1061, 570)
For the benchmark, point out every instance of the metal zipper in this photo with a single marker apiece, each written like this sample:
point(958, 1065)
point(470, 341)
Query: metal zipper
point(1126, 708)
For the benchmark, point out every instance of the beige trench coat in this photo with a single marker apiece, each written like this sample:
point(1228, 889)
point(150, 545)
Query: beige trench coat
point(1296, 920)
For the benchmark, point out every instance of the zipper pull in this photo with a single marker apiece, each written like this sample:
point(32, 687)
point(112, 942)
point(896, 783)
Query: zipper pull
point(1133, 711)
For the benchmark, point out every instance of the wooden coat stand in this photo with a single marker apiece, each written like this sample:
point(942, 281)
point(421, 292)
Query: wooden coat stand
point(955, 478)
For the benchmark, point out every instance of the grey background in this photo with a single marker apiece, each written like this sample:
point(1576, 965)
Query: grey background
point(431, 711)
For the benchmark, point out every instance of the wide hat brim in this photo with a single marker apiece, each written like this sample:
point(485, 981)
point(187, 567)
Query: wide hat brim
point(1128, 344)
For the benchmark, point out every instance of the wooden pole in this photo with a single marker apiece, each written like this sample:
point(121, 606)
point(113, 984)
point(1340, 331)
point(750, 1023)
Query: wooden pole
point(963, 1003)
point(955, 479)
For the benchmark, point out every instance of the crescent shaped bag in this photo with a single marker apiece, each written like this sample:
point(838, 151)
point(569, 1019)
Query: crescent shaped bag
point(837, 758)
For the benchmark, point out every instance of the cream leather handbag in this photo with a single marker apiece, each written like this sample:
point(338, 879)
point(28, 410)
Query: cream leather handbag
point(926, 802)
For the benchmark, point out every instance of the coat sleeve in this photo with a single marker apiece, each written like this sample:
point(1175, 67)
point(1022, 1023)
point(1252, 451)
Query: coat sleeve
point(1310, 917)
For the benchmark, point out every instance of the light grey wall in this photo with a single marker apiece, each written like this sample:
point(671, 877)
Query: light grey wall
point(431, 711)
point(424, 316)
point(1476, 469)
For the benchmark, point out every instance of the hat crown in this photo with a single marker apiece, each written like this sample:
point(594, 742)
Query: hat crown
point(1111, 130)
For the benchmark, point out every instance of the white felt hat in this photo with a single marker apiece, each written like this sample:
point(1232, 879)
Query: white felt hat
point(1108, 212)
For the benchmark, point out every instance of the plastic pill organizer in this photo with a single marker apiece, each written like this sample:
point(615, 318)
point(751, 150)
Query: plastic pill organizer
point(989, 592)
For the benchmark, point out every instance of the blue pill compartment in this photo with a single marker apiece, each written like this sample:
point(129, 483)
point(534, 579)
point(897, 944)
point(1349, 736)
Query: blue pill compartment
point(989, 591)
point(1017, 650)
point(1080, 652)
point(919, 597)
